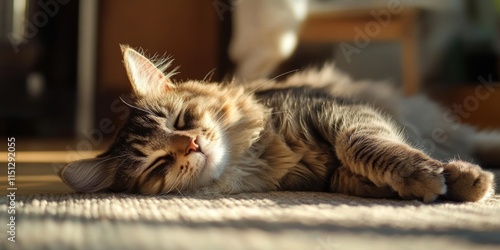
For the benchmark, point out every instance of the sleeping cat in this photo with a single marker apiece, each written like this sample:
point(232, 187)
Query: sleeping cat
point(316, 131)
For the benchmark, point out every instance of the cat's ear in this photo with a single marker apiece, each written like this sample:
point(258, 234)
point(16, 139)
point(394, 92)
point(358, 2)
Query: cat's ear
point(145, 77)
point(89, 175)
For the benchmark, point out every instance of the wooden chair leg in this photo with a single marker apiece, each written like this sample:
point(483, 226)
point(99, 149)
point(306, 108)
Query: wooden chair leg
point(411, 72)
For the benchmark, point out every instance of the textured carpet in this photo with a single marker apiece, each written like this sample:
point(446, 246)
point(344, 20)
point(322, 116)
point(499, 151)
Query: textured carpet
point(278, 220)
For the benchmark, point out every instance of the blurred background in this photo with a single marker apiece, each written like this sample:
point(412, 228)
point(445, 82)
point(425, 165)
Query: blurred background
point(61, 71)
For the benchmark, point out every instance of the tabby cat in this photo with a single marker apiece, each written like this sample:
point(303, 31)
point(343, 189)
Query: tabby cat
point(316, 131)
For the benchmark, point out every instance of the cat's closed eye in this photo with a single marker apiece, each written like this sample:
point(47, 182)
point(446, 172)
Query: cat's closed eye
point(180, 122)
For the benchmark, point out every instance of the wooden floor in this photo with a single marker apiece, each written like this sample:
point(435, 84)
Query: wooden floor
point(33, 178)
point(37, 162)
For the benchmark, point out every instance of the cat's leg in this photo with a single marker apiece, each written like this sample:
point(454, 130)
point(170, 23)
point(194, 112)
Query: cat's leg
point(386, 161)
point(343, 181)
point(370, 146)
point(467, 182)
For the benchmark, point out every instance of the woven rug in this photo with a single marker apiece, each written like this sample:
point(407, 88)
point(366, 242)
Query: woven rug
point(277, 220)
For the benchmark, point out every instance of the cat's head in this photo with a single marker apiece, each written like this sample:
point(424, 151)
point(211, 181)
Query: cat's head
point(178, 136)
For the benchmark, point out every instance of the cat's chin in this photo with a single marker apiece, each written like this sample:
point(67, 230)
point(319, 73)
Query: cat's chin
point(215, 159)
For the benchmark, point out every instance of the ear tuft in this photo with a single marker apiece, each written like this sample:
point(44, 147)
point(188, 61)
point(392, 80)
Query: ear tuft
point(146, 77)
point(89, 175)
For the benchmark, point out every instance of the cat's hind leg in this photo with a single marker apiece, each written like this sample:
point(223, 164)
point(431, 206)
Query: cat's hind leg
point(467, 181)
point(343, 181)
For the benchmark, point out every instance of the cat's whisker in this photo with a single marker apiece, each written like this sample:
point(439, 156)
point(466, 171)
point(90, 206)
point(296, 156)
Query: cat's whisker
point(109, 159)
point(177, 181)
point(179, 192)
point(220, 129)
point(138, 171)
point(185, 184)
point(126, 158)
point(174, 185)
point(221, 116)
point(270, 80)
point(180, 188)
point(135, 107)
point(188, 183)
point(209, 75)
point(150, 111)
point(220, 120)
point(131, 166)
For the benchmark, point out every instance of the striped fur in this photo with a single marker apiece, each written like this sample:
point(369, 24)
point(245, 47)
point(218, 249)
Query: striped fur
point(307, 133)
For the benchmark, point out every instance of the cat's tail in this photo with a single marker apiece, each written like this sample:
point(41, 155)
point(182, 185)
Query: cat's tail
point(487, 148)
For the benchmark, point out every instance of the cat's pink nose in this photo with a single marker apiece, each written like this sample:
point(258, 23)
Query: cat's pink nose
point(192, 146)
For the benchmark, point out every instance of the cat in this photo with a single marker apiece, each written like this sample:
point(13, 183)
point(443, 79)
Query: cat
point(315, 131)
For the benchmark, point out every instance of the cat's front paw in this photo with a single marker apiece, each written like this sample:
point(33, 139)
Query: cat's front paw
point(467, 181)
point(423, 181)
